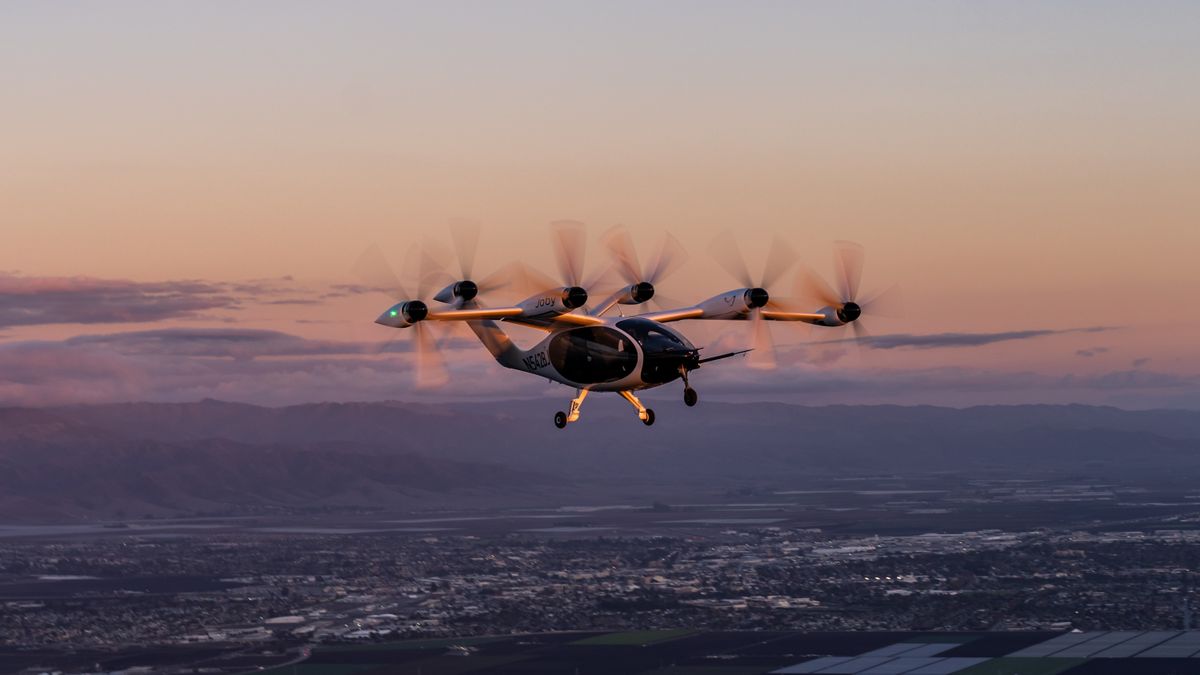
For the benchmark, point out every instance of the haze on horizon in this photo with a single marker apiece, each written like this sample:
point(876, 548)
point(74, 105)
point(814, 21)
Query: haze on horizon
point(184, 187)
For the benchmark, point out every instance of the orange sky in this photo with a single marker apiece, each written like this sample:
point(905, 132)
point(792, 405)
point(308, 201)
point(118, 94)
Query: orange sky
point(1012, 166)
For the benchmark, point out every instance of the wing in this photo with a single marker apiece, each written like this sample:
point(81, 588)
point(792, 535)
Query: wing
point(668, 315)
point(578, 319)
point(515, 315)
point(806, 317)
point(475, 314)
point(549, 323)
point(681, 314)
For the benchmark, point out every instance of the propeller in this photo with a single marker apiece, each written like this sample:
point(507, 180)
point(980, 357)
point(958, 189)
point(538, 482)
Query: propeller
point(845, 299)
point(463, 284)
point(669, 257)
point(569, 241)
point(373, 269)
point(569, 238)
point(780, 257)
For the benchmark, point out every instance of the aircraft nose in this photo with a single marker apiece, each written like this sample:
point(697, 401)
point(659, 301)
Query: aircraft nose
point(391, 318)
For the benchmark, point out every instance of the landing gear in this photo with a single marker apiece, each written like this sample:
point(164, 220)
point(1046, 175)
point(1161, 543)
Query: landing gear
point(689, 395)
point(576, 404)
point(561, 418)
point(645, 414)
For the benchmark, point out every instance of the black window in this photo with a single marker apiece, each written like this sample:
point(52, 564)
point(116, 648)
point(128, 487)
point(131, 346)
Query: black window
point(651, 336)
point(592, 355)
point(665, 350)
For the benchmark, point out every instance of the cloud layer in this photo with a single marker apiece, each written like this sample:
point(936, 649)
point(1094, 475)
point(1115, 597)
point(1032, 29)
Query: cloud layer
point(33, 301)
point(242, 344)
point(176, 363)
point(945, 340)
point(276, 368)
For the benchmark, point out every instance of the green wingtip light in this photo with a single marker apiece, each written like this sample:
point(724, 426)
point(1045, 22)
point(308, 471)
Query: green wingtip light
point(393, 313)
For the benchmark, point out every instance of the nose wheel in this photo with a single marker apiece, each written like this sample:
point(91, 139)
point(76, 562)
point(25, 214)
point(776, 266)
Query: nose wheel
point(689, 395)
point(560, 419)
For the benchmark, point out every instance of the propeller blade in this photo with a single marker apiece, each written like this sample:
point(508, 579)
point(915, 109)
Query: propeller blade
point(602, 280)
point(862, 336)
point(848, 263)
point(664, 302)
point(862, 342)
point(465, 234)
point(570, 241)
point(669, 259)
point(781, 257)
point(784, 305)
point(430, 366)
point(385, 345)
point(812, 288)
point(373, 270)
point(511, 275)
point(620, 246)
point(728, 254)
point(763, 356)
point(431, 269)
point(529, 281)
point(888, 303)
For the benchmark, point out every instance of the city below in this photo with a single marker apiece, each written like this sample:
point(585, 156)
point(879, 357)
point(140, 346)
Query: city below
point(871, 557)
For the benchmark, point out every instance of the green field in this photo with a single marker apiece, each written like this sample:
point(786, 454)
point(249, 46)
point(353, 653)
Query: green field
point(635, 637)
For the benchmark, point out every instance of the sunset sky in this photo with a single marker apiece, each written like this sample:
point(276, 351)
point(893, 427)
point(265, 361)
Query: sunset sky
point(184, 187)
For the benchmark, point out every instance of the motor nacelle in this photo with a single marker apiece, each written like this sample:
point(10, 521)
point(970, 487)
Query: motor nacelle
point(840, 316)
point(554, 302)
point(734, 304)
point(637, 293)
point(574, 297)
point(404, 314)
point(849, 312)
point(464, 290)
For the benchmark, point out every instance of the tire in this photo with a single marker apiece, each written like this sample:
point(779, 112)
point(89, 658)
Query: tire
point(649, 417)
point(690, 397)
point(560, 419)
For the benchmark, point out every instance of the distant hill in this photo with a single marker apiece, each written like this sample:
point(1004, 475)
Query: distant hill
point(211, 456)
point(57, 468)
point(712, 439)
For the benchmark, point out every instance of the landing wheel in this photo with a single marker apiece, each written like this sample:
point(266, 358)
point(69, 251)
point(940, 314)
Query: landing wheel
point(560, 419)
point(690, 397)
point(649, 417)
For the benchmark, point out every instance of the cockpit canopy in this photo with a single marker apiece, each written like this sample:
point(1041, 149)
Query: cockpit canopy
point(666, 352)
point(655, 337)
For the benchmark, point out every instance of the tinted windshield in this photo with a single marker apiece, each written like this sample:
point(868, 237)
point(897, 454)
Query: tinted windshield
point(667, 353)
point(652, 336)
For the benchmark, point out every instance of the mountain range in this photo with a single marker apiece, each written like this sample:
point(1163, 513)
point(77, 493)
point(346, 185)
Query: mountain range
point(85, 462)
